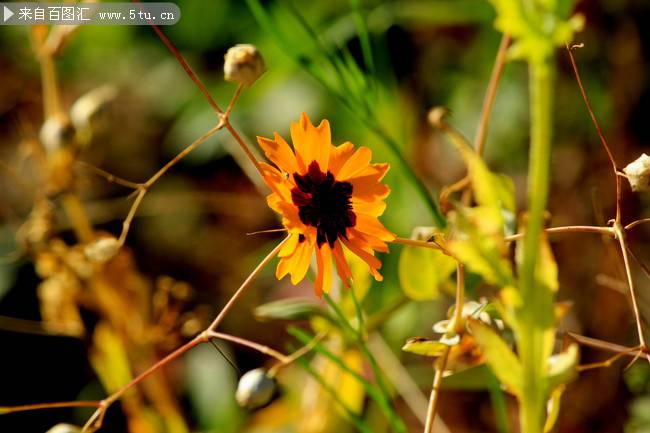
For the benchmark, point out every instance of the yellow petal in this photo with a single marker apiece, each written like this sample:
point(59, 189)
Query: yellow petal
point(342, 267)
point(324, 275)
point(289, 246)
point(372, 226)
point(355, 164)
point(279, 152)
point(303, 257)
point(339, 155)
point(311, 143)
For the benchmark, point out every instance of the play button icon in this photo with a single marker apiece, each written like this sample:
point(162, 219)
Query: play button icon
point(7, 13)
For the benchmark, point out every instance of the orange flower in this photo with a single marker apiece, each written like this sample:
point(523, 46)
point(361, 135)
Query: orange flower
point(330, 198)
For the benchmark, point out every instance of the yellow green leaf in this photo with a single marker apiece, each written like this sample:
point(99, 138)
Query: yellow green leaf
point(562, 368)
point(500, 358)
point(553, 408)
point(422, 271)
point(424, 346)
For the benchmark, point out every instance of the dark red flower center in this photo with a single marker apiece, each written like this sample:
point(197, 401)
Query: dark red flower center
point(324, 203)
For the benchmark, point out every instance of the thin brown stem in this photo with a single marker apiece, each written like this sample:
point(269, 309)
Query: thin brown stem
point(609, 361)
point(166, 360)
point(141, 189)
point(567, 229)
point(643, 266)
point(456, 323)
point(455, 326)
point(488, 104)
point(245, 148)
point(598, 129)
point(602, 345)
point(40, 406)
point(490, 95)
point(188, 69)
point(416, 243)
point(196, 143)
point(126, 224)
point(108, 176)
point(637, 223)
point(435, 390)
point(238, 293)
point(195, 78)
point(96, 419)
point(620, 235)
point(266, 350)
point(234, 99)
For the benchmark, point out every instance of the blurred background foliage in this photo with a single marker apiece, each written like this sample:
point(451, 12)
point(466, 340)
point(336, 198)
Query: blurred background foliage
point(375, 83)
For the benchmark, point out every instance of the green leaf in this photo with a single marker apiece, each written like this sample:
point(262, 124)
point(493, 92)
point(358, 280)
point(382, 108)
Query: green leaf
point(495, 191)
point(422, 271)
point(562, 368)
point(553, 408)
point(425, 347)
point(480, 245)
point(471, 379)
point(290, 309)
point(500, 358)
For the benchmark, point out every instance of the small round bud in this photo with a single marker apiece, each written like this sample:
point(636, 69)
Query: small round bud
point(243, 64)
point(64, 428)
point(638, 173)
point(56, 133)
point(255, 389)
point(102, 249)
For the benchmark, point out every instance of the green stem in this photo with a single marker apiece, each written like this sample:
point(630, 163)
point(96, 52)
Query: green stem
point(533, 326)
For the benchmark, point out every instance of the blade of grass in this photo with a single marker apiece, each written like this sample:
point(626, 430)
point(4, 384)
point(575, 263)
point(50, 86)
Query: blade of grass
point(358, 422)
point(398, 424)
point(373, 391)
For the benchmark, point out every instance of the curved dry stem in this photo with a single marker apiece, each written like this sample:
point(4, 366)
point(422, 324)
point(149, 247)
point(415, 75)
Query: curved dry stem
point(637, 223)
point(435, 391)
point(455, 325)
point(620, 235)
point(610, 155)
point(56, 405)
point(239, 292)
point(266, 350)
point(567, 229)
point(108, 176)
point(490, 94)
point(206, 94)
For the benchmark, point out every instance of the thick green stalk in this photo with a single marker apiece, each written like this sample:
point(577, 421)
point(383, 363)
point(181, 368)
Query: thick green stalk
point(536, 318)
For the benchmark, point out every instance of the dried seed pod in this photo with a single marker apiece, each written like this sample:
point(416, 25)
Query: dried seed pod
point(64, 428)
point(243, 64)
point(102, 249)
point(255, 389)
point(87, 112)
point(56, 133)
point(638, 173)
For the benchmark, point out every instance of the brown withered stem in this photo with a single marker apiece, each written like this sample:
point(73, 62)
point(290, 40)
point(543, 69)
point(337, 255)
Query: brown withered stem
point(619, 229)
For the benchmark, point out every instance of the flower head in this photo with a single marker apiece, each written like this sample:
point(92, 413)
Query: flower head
point(330, 198)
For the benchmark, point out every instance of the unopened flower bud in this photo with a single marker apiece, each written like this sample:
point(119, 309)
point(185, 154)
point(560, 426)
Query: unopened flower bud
point(255, 389)
point(638, 173)
point(102, 249)
point(64, 428)
point(243, 64)
point(56, 133)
